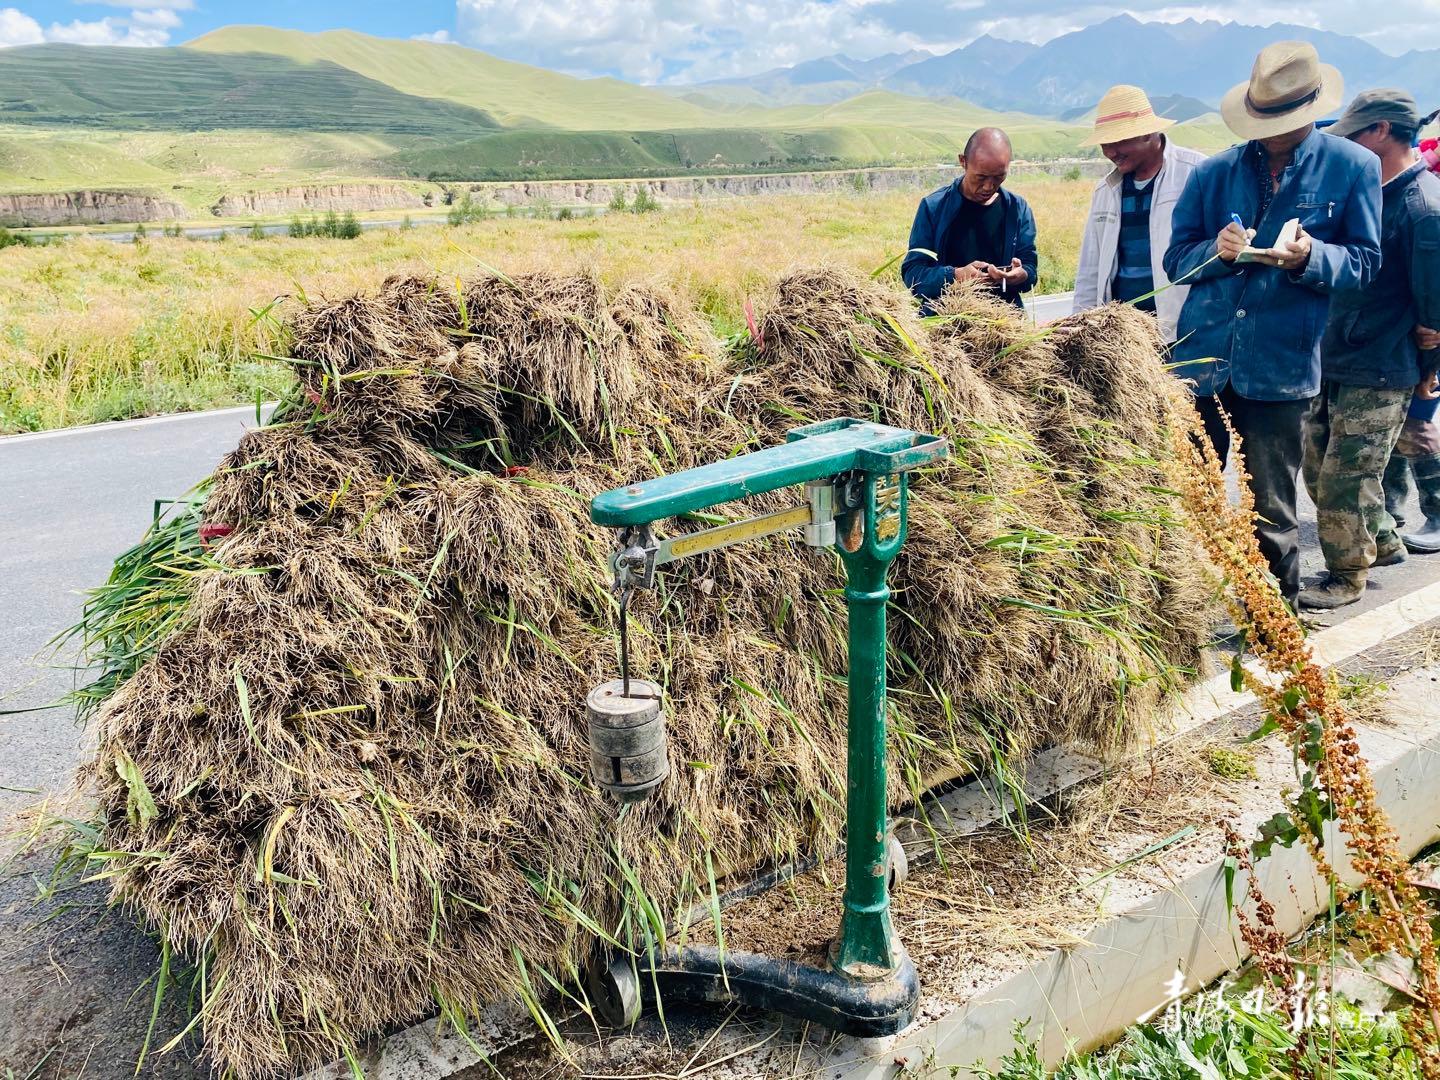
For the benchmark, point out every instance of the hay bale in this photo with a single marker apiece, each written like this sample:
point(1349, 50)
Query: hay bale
point(362, 751)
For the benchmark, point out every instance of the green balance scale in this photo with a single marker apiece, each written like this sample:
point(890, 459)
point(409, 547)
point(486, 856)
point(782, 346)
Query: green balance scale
point(855, 481)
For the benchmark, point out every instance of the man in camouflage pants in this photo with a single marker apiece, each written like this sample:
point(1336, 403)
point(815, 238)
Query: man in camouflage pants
point(1370, 359)
point(1349, 433)
point(1418, 453)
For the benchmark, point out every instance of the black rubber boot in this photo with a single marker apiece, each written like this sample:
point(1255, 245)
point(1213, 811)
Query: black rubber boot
point(1426, 541)
point(1397, 486)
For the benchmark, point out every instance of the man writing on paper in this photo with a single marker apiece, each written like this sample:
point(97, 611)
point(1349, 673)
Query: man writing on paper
point(1370, 360)
point(1128, 231)
point(973, 229)
point(1249, 333)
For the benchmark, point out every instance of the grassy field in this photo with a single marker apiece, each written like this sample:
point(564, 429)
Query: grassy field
point(93, 330)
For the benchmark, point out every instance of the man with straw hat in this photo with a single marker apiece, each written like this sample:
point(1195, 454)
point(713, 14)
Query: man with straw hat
point(1373, 359)
point(1128, 229)
point(1249, 332)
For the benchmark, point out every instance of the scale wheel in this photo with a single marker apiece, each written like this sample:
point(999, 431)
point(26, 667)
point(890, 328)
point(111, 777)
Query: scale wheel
point(614, 988)
point(898, 862)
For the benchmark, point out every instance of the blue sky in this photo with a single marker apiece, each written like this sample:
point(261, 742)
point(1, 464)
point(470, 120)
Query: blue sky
point(688, 40)
point(195, 17)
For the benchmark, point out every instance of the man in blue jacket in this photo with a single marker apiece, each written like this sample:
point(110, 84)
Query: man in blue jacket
point(1249, 333)
point(973, 229)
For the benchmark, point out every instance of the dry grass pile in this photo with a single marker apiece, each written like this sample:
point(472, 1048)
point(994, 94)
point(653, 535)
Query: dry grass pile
point(352, 773)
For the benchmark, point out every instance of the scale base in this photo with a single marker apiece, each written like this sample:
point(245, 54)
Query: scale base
point(864, 1008)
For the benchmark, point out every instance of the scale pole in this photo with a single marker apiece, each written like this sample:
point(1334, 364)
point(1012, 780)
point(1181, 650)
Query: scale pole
point(867, 945)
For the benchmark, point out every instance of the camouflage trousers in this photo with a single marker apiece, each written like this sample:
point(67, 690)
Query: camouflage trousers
point(1417, 455)
point(1349, 433)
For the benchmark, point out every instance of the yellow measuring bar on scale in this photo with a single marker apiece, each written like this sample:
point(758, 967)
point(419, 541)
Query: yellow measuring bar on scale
point(724, 535)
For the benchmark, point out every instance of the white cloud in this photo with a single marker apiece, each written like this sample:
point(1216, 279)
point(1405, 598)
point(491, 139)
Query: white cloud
point(107, 31)
point(143, 27)
point(679, 41)
point(17, 28)
point(159, 18)
point(440, 36)
point(674, 40)
point(1395, 28)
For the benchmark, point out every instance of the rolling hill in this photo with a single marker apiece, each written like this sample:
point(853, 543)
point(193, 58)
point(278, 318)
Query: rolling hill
point(823, 81)
point(517, 95)
point(189, 90)
point(594, 155)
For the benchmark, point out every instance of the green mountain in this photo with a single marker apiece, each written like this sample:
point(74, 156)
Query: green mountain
point(594, 155)
point(190, 90)
point(515, 94)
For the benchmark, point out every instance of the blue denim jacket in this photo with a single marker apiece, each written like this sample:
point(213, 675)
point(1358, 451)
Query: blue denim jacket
point(923, 272)
point(1259, 327)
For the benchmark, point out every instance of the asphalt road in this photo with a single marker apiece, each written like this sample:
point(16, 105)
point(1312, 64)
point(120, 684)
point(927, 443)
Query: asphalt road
point(76, 995)
point(76, 988)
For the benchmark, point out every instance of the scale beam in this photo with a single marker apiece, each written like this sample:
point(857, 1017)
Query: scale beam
point(856, 497)
point(815, 452)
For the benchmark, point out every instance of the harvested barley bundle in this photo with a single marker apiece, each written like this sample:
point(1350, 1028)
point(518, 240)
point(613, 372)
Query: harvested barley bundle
point(352, 770)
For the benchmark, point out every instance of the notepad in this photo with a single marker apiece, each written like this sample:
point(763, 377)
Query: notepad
point(1288, 232)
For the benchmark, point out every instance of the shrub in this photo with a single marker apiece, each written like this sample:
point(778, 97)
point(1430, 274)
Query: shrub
point(644, 203)
point(467, 210)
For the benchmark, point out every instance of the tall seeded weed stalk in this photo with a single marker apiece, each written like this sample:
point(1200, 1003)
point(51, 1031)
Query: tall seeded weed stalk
point(1304, 706)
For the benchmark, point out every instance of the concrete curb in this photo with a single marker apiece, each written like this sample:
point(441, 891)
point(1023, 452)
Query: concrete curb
point(1087, 996)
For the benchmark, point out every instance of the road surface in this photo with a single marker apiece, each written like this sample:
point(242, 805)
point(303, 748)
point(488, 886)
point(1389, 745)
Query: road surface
point(74, 499)
point(76, 988)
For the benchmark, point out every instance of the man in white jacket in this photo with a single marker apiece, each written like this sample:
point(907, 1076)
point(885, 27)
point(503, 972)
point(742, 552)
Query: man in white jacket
point(1129, 225)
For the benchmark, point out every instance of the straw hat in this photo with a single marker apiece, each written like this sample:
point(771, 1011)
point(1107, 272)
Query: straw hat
point(1289, 87)
point(1124, 113)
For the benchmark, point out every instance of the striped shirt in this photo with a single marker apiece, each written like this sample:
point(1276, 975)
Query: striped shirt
point(1134, 276)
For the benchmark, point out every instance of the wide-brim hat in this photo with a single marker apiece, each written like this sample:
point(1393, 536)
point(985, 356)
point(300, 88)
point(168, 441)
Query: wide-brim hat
point(1289, 87)
point(1124, 113)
